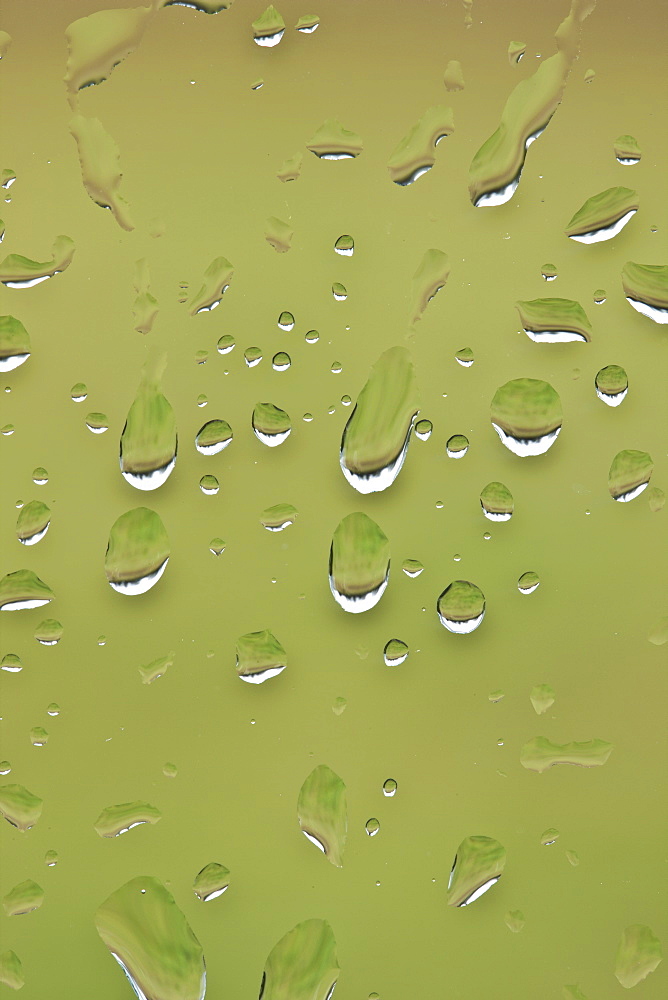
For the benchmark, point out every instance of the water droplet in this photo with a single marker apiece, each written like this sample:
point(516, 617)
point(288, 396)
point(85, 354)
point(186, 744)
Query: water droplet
point(461, 607)
point(170, 770)
point(217, 278)
point(291, 168)
point(514, 921)
point(515, 52)
point(216, 546)
point(549, 837)
point(22, 590)
point(600, 296)
point(465, 357)
point(359, 563)
point(478, 865)
point(423, 429)
point(389, 787)
point(278, 234)
point(201, 400)
point(156, 668)
point(97, 423)
point(453, 78)
point(78, 392)
point(549, 272)
point(17, 271)
point(542, 697)
point(589, 75)
point(20, 807)
point(573, 858)
point(281, 361)
point(115, 820)
point(102, 640)
point(14, 342)
point(495, 696)
point(271, 425)
point(7, 430)
point(376, 437)
point(429, 278)
point(497, 502)
point(286, 321)
point(612, 384)
point(312, 337)
point(395, 652)
point(278, 517)
point(99, 42)
point(554, 321)
point(412, 567)
point(268, 29)
point(145, 932)
point(487, 536)
point(53, 709)
point(339, 705)
point(302, 965)
point(639, 954)
point(137, 553)
point(40, 476)
point(23, 898)
point(225, 344)
point(323, 814)
point(33, 522)
point(11, 970)
point(658, 634)
point(372, 826)
point(260, 656)
point(307, 418)
point(528, 582)
point(457, 446)
point(209, 485)
point(39, 736)
point(629, 475)
point(211, 882)
point(334, 142)
point(345, 245)
point(646, 289)
point(603, 216)
point(213, 437)
point(100, 163)
point(11, 663)
point(539, 754)
point(526, 414)
point(339, 291)
point(201, 357)
point(415, 154)
point(51, 859)
point(5, 767)
point(307, 23)
point(627, 150)
point(149, 439)
point(336, 369)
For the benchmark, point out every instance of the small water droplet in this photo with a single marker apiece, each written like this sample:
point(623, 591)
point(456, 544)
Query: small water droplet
point(226, 344)
point(389, 787)
point(169, 770)
point(345, 245)
point(457, 557)
point(252, 356)
point(549, 837)
point(312, 337)
point(372, 826)
point(461, 607)
point(39, 736)
point(202, 399)
point(495, 696)
point(514, 921)
point(51, 859)
point(40, 476)
point(465, 357)
point(528, 582)
point(423, 429)
point(11, 663)
point(259, 656)
point(542, 697)
point(5, 767)
point(97, 423)
point(53, 709)
point(209, 485)
point(339, 291)
point(573, 858)
point(339, 705)
point(346, 400)
point(286, 321)
point(395, 652)
point(457, 446)
point(336, 368)
point(211, 882)
point(79, 392)
point(280, 362)
point(412, 567)
point(213, 437)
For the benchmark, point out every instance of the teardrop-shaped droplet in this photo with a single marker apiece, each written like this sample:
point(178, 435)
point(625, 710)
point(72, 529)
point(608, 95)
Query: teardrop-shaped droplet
point(268, 28)
point(461, 607)
point(478, 865)
point(33, 522)
point(526, 414)
point(138, 551)
point(149, 441)
point(372, 827)
point(151, 940)
point(271, 424)
point(259, 657)
point(359, 563)
point(395, 652)
point(323, 813)
point(303, 965)
point(211, 882)
point(629, 474)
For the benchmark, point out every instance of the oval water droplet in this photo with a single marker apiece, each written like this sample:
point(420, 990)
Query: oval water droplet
point(345, 245)
point(40, 476)
point(629, 475)
point(259, 657)
point(412, 567)
point(600, 296)
point(457, 446)
point(97, 423)
point(334, 142)
point(612, 384)
point(23, 898)
point(372, 826)
point(423, 429)
point(225, 344)
point(464, 357)
point(278, 517)
point(209, 485)
point(53, 709)
point(395, 652)
point(149, 439)
point(359, 563)
point(549, 837)
point(116, 820)
point(137, 553)
point(268, 28)
point(554, 321)
point(14, 343)
point(281, 362)
point(312, 337)
point(252, 356)
point(461, 607)
point(478, 865)
point(549, 272)
point(528, 582)
point(497, 502)
point(78, 392)
point(5, 767)
point(211, 882)
point(646, 289)
point(526, 414)
point(271, 424)
point(389, 787)
point(213, 437)
point(286, 321)
point(51, 859)
point(323, 813)
point(170, 770)
point(542, 697)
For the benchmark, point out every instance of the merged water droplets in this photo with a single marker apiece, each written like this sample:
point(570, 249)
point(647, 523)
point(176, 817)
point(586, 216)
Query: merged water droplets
point(303, 965)
point(19, 806)
point(271, 424)
point(334, 142)
point(323, 813)
point(554, 321)
point(33, 522)
point(17, 271)
point(359, 563)
point(478, 865)
point(612, 384)
point(639, 954)
point(497, 502)
point(461, 607)
point(646, 289)
point(629, 474)
point(603, 216)
point(539, 754)
point(211, 882)
point(14, 343)
point(115, 820)
point(431, 275)
point(216, 281)
point(376, 437)
point(151, 940)
point(269, 28)
point(137, 553)
point(527, 416)
point(23, 898)
point(415, 154)
point(23, 590)
point(259, 657)
point(149, 440)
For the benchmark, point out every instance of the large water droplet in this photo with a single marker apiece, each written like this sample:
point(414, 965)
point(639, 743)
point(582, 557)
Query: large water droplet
point(211, 882)
point(549, 837)
point(11, 663)
point(259, 657)
point(20, 807)
point(612, 384)
point(639, 954)
point(226, 344)
point(14, 343)
point(268, 28)
point(461, 607)
point(646, 289)
point(281, 362)
point(526, 414)
point(603, 216)
point(497, 502)
point(22, 590)
point(323, 813)
point(137, 552)
point(33, 522)
point(478, 865)
point(115, 820)
point(271, 424)
point(359, 563)
point(629, 474)
point(303, 965)
point(345, 245)
point(554, 321)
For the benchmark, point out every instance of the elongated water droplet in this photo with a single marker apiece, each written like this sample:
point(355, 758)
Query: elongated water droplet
point(14, 343)
point(99, 42)
point(461, 607)
point(97, 423)
point(395, 652)
point(211, 882)
point(457, 446)
point(216, 281)
point(151, 940)
point(339, 291)
point(639, 954)
point(49, 632)
point(268, 29)
point(145, 308)
point(149, 440)
point(11, 970)
point(260, 656)
point(612, 384)
point(478, 864)
point(20, 807)
point(17, 271)
point(23, 590)
point(376, 437)
point(539, 754)
point(430, 276)
point(415, 154)
point(303, 965)
point(549, 837)
point(526, 414)
point(323, 814)
point(99, 159)
point(528, 582)
point(137, 553)
point(497, 502)
point(271, 424)
point(278, 234)
point(603, 216)
point(156, 668)
point(23, 898)
point(115, 820)
point(307, 23)
point(629, 474)
point(334, 142)
point(278, 517)
point(554, 321)
point(359, 563)
point(646, 289)
point(33, 522)
point(542, 697)
point(514, 921)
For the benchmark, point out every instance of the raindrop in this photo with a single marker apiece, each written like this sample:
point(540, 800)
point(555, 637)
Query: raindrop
point(39, 736)
point(269, 28)
point(603, 216)
point(496, 696)
point(345, 245)
point(281, 361)
point(286, 321)
point(646, 289)
point(514, 921)
point(51, 859)
point(629, 475)
point(7, 430)
point(278, 517)
point(259, 656)
point(549, 272)
point(40, 476)
point(339, 291)
point(11, 970)
point(336, 369)
point(478, 865)
point(627, 150)
point(528, 582)
point(573, 858)
point(423, 429)
point(23, 898)
point(115, 820)
point(271, 425)
point(389, 788)
point(303, 965)
point(78, 392)
point(213, 437)
point(209, 485)
point(312, 337)
point(201, 357)
point(5, 767)
point(216, 546)
point(170, 770)
point(639, 954)
point(307, 418)
point(53, 709)
point(372, 826)
point(225, 344)
point(323, 813)
point(201, 400)
point(334, 142)
point(461, 607)
point(542, 697)
point(278, 234)
point(23, 590)
point(216, 281)
point(11, 663)
point(359, 563)
point(97, 423)
point(211, 882)
point(599, 296)
point(549, 837)
point(291, 168)
point(612, 385)
point(49, 632)
point(307, 23)
point(14, 343)
point(395, 652)
point(20, 807)
point(539, 754)
point(257, 84)
point(515, 52)
point(526, 414)
point(430, 277)
point(497, 502)
point(137, 553)
point(17, 271)
point(465, 357)
point(33, 522)
point(339, 705)
point(156, 668)
point(412, 567)
point(346, 400)
point(457, 446)
point(415, 154)
point(554, 321)
point(149, 439)
point(253, 356)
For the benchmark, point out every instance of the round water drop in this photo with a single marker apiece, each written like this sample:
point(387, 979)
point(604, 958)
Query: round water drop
point(457, 446)
point(213, 437)
point(612, 385)
point(549, 272)
point(209, 485)
point(286, 321)
point(497, 502)
point(465, 357)
point(389, 788)
point(216, 546)
point(252, 356)
point(78, 392)
point(528, 582)
point(202, 399)
point(225, 344)
point(600, 296)
point(97, 423)
point(412, 567)
point(339, 705)
point(339, 291)
point(11, 663)
point(51, 859)
point(345, 245)
point(49, 632)
point(271, 424)
point(281, 362)
point(312, 337)
point(307, 418)
point(629, 475)
point(40, 476)
point(372, 826)
point(549, 837)
point(101, 640)
point(346, 400)
point(423, 429)
point(461, 607)
point(39, 736)
point(5, 767)
point(395, 652)
point(526, 414)
point(336, 368)
point(137, 553)
point(53, 709)
point(170, 770)
point(656, 499)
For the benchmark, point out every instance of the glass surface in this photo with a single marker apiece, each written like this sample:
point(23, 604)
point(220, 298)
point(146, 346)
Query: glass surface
point(281, 770)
